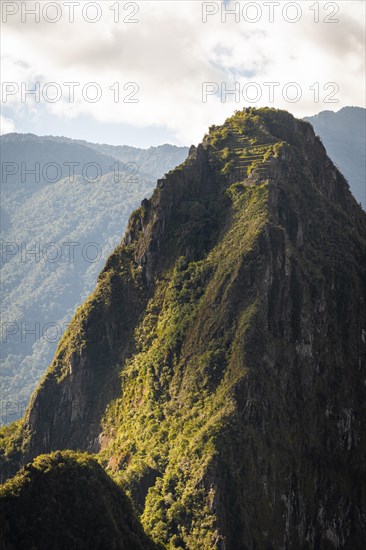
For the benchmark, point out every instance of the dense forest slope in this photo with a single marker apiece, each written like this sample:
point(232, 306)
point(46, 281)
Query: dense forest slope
point(218, 367)
point(57, 232)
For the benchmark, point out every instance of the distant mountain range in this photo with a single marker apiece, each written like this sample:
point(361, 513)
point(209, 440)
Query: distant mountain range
point(344, 136)
point(71, 224)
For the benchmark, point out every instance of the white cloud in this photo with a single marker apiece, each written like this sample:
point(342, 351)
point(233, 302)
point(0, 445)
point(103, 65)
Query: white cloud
point(6, 125)
point(171, 52)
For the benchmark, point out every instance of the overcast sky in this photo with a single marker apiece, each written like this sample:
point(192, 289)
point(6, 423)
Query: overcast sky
point(146, 73)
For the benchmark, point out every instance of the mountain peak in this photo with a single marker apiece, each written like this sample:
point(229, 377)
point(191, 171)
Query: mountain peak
point(217, 367)
point(253, 148)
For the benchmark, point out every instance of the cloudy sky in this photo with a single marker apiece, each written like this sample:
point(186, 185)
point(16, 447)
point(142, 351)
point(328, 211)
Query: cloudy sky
point(152, 72)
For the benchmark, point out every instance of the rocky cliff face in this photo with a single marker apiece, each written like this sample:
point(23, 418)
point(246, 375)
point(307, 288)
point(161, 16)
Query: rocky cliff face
point(222, 355)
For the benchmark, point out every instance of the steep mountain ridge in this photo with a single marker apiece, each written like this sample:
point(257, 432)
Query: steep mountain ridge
point(233, 314)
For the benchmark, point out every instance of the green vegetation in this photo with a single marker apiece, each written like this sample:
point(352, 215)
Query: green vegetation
point(66, 500)
point(240, 347)
point(176, 390)
point(9, 435)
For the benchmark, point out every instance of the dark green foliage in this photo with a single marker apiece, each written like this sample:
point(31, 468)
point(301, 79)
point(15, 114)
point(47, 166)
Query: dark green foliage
point(65, 500)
